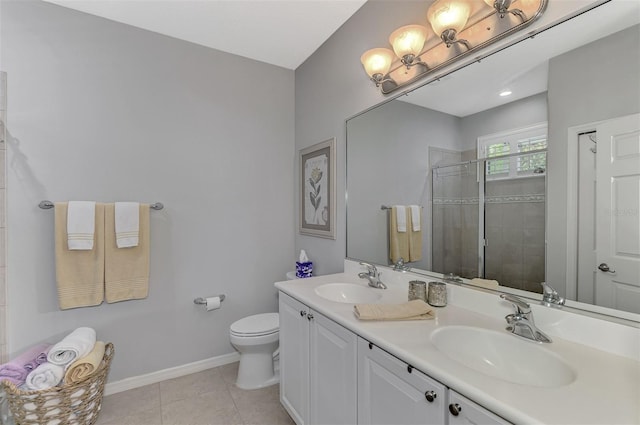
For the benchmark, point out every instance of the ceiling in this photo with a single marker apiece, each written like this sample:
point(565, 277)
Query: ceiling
point(279, 32)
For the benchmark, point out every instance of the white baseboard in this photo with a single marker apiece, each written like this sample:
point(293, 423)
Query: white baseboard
point(170, 373)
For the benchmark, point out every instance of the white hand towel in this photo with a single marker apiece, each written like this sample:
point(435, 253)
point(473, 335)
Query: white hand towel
point(45, 376)
point(81, 225)
point(76, 345)
point(415, 217)
point(401, 218)
point(127, 224)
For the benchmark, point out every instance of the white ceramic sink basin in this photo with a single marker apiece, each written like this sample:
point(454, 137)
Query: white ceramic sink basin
point(348, 293)
point(503, 356)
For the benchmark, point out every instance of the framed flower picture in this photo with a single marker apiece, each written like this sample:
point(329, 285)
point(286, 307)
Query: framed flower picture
point(318, 190)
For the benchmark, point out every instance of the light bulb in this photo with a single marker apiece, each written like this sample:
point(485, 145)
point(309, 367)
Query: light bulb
point(377, 62)
point(448, 15)
point(408, 40)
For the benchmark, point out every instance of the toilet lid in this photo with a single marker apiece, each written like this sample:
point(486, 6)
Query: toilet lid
point(258, 324)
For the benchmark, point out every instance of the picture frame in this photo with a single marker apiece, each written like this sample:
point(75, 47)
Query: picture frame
point(318, 190)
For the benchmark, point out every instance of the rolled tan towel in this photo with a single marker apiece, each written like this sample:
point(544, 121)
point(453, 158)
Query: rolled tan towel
point(85, 366)
point(412, 310)
point(485, 283)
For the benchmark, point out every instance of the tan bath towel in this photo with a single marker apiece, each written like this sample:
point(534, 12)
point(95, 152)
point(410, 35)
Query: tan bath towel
point(412, 310)
point(126, 274)
point(485, 283)
point(398, 241)
point(415, 233)
point(79, 274)
point(85, 366)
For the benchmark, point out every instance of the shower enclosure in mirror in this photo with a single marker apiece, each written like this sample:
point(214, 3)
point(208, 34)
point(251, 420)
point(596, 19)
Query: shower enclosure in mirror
point(488, 216)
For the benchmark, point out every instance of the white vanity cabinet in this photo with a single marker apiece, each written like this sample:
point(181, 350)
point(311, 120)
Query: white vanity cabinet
point(392, 392)
point(318, 369)
point(462, 411)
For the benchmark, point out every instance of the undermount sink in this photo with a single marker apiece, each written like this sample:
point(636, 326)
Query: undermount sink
point(348, 293)
point(503, 356)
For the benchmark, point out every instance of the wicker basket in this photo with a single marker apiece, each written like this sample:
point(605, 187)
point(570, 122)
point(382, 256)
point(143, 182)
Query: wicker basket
point(69, 404)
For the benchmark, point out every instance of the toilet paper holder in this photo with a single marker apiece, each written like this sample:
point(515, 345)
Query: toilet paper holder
point(203, 301)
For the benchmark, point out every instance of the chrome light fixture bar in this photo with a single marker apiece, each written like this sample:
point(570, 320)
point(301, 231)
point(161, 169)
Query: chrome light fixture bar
point(458, 28)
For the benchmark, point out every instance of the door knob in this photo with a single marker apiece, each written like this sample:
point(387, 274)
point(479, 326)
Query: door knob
point(605, 268)
point(430, 396)
point(309, 316)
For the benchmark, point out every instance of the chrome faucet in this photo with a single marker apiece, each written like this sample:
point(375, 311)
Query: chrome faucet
point(550, 297)
point(521, 322)
point(451, 277)
point(400, 266)
point(372, 275)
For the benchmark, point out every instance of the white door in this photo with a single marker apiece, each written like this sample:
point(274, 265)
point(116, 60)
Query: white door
point(333, 373)
point(618, 214)
point(587, 246)
point(294, 358)
point(391, 392)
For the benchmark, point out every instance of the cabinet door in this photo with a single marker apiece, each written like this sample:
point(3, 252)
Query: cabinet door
point(294, 358)
point(464, 411)
point(390, 392)
point(333, 373)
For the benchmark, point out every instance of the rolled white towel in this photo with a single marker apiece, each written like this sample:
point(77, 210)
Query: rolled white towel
point(45, 376)
point(77, 344)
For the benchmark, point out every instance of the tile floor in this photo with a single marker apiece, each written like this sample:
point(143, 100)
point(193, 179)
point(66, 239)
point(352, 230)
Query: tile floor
point(205, 398)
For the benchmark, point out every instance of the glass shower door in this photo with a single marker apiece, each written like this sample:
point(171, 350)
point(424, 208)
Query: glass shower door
point(455, 219)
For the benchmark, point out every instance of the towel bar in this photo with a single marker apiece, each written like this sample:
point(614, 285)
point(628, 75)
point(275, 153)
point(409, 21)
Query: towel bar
point(387, 207)
point(47, 205)
point(203, 301)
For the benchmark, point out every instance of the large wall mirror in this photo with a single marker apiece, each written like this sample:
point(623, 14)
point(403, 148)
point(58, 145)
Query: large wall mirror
point(541, 184)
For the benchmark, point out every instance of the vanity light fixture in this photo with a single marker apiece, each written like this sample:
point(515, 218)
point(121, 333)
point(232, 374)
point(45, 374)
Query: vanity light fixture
point(419, 51)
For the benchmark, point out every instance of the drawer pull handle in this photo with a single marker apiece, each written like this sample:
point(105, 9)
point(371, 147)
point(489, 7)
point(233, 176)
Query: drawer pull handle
point(303, 313)
point(455, 409)
point(309, 316)
point(430, 396)
point(409, 368)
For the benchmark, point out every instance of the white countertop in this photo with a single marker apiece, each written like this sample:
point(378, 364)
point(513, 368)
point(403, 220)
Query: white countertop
point(606, 389)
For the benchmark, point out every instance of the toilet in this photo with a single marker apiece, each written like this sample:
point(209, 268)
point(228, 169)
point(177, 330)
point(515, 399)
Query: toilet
point(256, 338)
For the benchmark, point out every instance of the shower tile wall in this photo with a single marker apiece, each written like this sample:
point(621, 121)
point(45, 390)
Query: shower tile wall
point(514, 230)
point(3, 288)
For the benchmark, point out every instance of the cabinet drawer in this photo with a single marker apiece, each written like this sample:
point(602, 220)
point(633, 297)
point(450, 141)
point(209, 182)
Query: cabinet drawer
point(392, 392)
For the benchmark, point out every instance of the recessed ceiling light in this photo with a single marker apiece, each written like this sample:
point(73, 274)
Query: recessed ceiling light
point(505, 93)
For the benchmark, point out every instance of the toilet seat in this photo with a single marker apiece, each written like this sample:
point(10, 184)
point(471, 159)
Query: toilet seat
point(256, 325)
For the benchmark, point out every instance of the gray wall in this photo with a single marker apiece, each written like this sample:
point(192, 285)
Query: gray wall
point(388, 154)
point(104, 111)
point(613, 92)
point(517, 114)
point(3, 221)
point(331, 86)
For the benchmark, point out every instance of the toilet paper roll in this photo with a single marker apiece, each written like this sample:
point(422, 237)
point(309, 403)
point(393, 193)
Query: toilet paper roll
point(213, 303)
